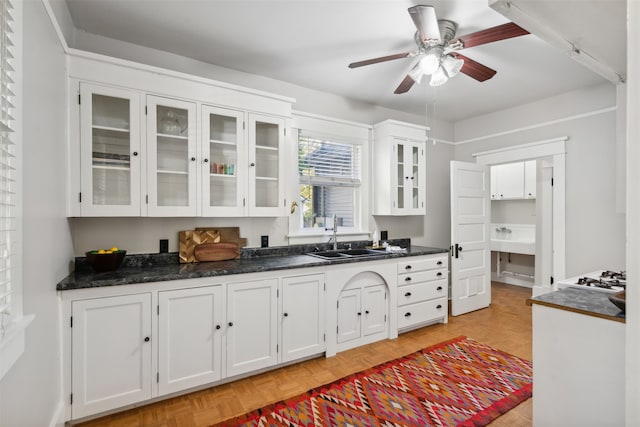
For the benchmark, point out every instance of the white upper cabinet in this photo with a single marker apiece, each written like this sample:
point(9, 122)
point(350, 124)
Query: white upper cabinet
point(111, 155)
point(399, 168)
point(155, 144)
point(512, 181)
point(171, 157)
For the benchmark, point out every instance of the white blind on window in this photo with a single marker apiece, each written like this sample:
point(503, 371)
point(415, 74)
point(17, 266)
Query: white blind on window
point(328, 162)
point(7, 170)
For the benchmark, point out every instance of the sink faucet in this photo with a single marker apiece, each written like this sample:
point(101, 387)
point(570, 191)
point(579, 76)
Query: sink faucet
point(335, 231)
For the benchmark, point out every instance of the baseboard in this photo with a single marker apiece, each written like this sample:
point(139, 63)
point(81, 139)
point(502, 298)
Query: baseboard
point(510, 280)
point(58, 416)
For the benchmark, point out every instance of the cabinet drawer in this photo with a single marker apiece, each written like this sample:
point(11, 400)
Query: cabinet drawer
point(421, 312)
point(423, 264)
point(419, 292)
point(421, 276)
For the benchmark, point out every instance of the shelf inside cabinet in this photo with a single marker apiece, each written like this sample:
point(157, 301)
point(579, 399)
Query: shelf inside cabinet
point(222, 176)
point(264, 147)
point(167, 135)
point(266, 178)
point(215, 141)
point(107, 129)
point(110, 167)
point(172, 172)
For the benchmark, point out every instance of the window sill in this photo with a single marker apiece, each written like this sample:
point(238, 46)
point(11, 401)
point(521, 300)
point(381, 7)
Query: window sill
point(323, 236)
point(12, 344)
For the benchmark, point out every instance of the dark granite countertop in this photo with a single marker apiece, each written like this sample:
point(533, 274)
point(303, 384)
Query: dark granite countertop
point(583, 301)
point(162, 267)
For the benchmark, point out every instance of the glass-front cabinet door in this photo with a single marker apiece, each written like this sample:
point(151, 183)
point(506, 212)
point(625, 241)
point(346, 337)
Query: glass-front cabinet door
point(224, 170)
point(266, 191)
point(110, 151)
point(171, 159)
point(411, 177)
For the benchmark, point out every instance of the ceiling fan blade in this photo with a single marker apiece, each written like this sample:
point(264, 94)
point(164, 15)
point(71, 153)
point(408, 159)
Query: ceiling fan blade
point(381, 59)
point(475, 69)
point(493, 34)
point(426, 22)
point(405, 85)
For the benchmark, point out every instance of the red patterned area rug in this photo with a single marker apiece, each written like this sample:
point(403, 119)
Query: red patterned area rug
point(460, 382)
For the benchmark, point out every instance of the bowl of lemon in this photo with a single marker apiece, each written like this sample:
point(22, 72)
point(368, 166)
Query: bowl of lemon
point(105, 259)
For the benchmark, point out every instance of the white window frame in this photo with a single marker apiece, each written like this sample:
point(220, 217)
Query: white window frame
point(340, 131)
point(12, 337)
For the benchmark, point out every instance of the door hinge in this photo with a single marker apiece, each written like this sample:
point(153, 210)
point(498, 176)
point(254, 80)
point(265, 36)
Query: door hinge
point(158, 309)
point(337, 304)
point(145, 110)
point(277, 348)
point(324, 285)
point(80, 197)
point(71, 398)
point(385, 318)
point(146, 198)
point(284, 202)
point(552, 280)
point(277, 293)
point(324, 337)
point(244, 202)
point(158, 377)
point(285, 131)
point(243, 125)
point(552, 182)
point(336, 329)
point(79, 99)
point(71, 322)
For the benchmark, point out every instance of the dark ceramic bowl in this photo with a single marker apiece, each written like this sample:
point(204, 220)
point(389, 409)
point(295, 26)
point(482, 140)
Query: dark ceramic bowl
point(105, 262)
point(619, 299)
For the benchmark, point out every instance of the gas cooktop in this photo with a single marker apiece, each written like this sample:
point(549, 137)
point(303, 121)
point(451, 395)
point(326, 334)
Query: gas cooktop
point(600, 280)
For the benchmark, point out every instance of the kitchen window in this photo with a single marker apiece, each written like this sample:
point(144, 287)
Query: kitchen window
point(329, 174)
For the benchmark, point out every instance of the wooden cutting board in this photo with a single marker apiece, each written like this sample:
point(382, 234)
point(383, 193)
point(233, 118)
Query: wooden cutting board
point(189, 239)
point(216, 251)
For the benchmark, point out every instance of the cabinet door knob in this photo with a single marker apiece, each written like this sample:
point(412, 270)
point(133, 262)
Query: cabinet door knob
point(230, 323)
point(135, 153)
point(193, 159)
point(366, 312)
point(206, 160)
point(439, 288)
point(359, 314)
point(439, 273)
point(439, 306)
point(411, 177)
point(217, 326)
point(407, 267)
point(406, 177)
point(408, 294)
point(146, 339)
point(286, 314)
point(407, 279)
point(460, 248)
point(407, 314)
point(252, 164)
point(439, 263)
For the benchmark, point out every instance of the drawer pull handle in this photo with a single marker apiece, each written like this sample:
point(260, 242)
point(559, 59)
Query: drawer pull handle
point(146, 339)
point(439, 273)
point(408, 294)
point(439, 263)
point(407, 279)
point(359, 314)
point(230, 323)
point(366, 312)
point(286, 314)
point(217, 326)
point(439, 306)
point(407, 267)
point(439, 288)
point(407, 314)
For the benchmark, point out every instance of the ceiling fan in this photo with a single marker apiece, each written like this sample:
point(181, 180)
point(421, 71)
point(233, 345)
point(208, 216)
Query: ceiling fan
point(438, 46)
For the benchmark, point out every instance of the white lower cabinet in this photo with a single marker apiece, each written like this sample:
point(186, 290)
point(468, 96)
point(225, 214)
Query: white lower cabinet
point(252, 331)
point(111, 352)
point(189, 338)
point(302, 319)
point(362, 312)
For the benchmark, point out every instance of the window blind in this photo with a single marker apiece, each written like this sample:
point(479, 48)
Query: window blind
point(7, 160)
point(328, 162)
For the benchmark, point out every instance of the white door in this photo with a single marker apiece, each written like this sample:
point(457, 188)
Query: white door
point(251, 326)
point(470, 239)
point(302, 316)
point(349, 315)
point(374, 309)
point(189, 338)
point(111, 353)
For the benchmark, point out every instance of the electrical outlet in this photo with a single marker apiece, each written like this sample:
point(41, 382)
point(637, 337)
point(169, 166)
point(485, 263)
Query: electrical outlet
point(164, 246)
point(264, 241)
point(384, 235)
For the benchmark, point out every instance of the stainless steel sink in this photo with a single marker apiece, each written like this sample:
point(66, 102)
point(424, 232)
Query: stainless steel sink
point(347, 253)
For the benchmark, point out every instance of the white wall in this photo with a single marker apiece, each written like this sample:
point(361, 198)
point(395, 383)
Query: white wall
point(513, 211)
point(595, 233)
point(30, 393)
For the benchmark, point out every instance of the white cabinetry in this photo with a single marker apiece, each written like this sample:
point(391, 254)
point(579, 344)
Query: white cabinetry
point(512, 181)
point(252, 331)
point(171, 157)
point(362, 311)
point(422, 292)
point(302, 320)
point(111, 352)
point(399, 168)
point(189, 337)
point(111, 157)
point(530, 179)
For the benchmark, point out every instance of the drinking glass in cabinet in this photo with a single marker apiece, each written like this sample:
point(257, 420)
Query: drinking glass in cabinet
point(172, 121)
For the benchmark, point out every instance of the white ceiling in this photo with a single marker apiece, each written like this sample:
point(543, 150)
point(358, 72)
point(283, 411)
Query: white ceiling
point(311, 42)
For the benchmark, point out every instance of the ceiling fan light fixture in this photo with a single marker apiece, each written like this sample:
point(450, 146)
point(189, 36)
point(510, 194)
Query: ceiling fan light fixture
point(452, 65)
point(430, 62)
point(439, 77)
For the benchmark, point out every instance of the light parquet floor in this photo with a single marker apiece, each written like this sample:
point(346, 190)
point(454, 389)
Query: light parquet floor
point(505, 325)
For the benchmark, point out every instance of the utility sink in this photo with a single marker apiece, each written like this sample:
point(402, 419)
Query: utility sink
point(347, 253)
